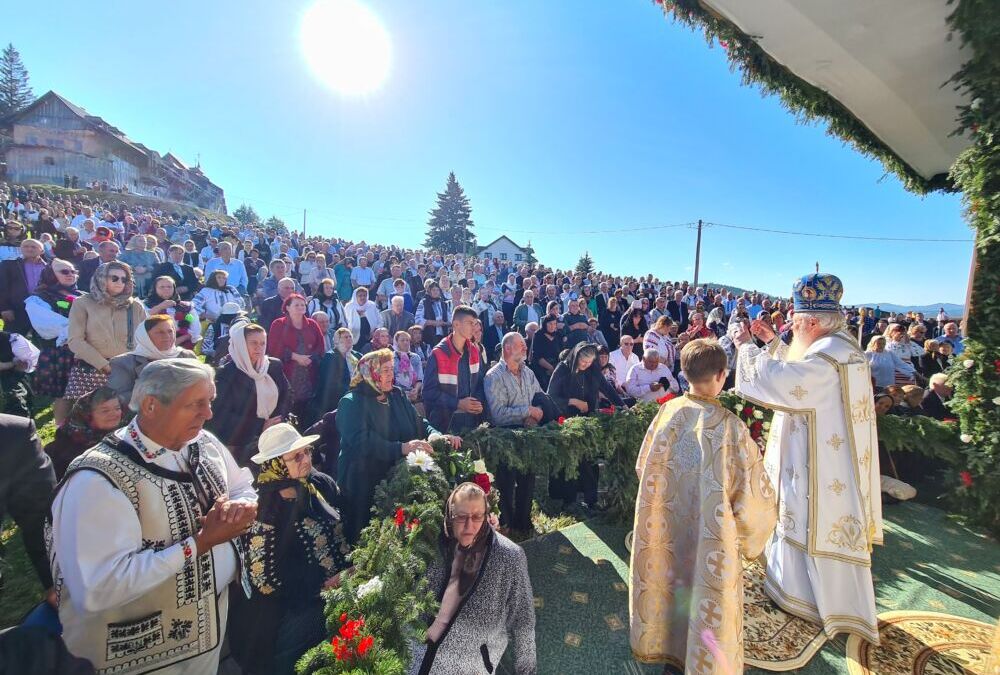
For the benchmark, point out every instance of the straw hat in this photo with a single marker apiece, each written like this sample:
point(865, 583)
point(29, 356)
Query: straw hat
point(278, 440)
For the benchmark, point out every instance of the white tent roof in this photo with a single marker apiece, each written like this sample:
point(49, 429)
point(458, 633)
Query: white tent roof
point(885, 60)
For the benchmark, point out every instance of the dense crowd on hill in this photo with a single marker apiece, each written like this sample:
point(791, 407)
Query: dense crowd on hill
point(369, 350)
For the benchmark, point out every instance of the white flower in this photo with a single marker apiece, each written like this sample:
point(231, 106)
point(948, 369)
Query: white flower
point(966, 438)
point(996, 401)
point(968, 363)
point(373, 585)
point(738, 408)
point(758, 414)
point(479, 466)
point(766, 426)
point(419, 459)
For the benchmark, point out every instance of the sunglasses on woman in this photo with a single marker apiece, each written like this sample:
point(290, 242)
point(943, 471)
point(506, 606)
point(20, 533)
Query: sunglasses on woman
point(116, 278)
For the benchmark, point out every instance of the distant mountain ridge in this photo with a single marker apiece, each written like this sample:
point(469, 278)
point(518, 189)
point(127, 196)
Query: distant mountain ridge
point(929, 311)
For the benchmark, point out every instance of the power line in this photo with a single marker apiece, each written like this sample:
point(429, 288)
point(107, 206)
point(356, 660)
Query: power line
point(836, 236)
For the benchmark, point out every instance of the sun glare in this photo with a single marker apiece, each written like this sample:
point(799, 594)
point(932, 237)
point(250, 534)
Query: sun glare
point(346, 46)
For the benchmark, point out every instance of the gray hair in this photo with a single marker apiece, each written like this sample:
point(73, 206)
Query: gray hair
point(166, 379)
point(508, 340)
point(938, 378)
point(652, 352)
point(829, 322)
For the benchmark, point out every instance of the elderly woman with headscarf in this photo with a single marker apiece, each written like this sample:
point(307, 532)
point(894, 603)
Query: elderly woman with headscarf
point(296, 550)
point(142, 260)
point(102, 325)
point(214, 295)
point(378, 426)
point(362, 317)
point(251, 392)
point(336, 369)
point(408, 367)
point(155, 339)
point(92, 417)
point(163, 298)
point(481, 580)
point(48, 310)
point(576, 387)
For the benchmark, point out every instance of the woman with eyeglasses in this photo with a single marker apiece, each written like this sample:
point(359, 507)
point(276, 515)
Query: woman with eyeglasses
point(102, 325)
point(48, 311)
point(481, 580)
point(14, 233)
point(296, 550)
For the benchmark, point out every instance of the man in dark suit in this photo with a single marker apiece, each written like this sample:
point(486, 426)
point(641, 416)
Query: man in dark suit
point(26, 483)
point(182, 274)
point(492, 335)
point(937, 393)
point(106, 252)
point(18, 279)
point(396, 318)
point(270, 308)
point(678, 311)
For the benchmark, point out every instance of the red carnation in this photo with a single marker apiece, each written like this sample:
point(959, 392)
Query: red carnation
point(966, 478)
point(561, 421)
point(365, 644)
point(950, 420)
point(400, 516)
point(483, 481)
point(748, 410)
point(413, 523)
point(343, 617)
point(972, 399)
point(996, 365)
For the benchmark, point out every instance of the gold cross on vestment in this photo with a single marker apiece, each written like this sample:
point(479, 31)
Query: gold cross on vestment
point(835, 442)
point(799, 393)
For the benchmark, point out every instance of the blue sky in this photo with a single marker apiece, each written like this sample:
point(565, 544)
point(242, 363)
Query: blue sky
point(555, 117)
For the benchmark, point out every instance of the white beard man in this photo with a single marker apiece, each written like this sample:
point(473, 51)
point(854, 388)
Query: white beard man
point(822, 456)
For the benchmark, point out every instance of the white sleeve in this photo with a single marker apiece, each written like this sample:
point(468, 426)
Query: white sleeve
point(49, 325)
point(632, 386)
point(97, 541)
point(239, 479)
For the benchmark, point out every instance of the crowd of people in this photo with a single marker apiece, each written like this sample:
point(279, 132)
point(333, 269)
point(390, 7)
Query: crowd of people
point(267, 382)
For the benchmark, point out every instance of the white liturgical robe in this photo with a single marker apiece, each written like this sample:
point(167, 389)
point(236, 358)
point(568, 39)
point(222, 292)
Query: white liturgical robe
point(822, 455)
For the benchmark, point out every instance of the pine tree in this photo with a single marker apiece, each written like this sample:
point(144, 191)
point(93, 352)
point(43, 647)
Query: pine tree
point(529, 254)
point(275, 223)
point(585, 265)
point(15, 92)
point(246, 215)
point(450, 226)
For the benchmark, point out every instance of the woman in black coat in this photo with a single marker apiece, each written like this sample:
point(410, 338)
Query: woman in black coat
point(576, 387)
point(546, 346)
point(634, 324)
point(296, 548)
point(610, 323)
point(244, 387)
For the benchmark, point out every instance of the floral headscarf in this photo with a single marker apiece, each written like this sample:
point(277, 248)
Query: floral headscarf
point(56, 294)
point(368, 367)
point(276, 471)
point(99, 284)
point(77, 425)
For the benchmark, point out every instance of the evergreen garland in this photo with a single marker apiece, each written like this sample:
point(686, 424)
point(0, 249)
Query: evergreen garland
point(976, 373)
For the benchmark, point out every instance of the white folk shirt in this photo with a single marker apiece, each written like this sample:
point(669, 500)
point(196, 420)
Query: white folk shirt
point(822, 455)
point(97, 539)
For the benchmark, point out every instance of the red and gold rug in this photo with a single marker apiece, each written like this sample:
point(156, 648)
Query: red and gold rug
point(923, 643)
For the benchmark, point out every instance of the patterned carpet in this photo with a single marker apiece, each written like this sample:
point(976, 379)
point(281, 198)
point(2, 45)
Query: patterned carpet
point(928, 564)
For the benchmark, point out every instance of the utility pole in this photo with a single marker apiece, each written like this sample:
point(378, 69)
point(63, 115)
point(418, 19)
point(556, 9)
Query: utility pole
point(697, 255)
point(303, 223)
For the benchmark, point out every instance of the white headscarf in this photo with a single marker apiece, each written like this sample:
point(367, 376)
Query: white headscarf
point(267, 389)
point(145, 347)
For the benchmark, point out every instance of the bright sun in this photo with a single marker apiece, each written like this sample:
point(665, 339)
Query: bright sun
point(346, 46)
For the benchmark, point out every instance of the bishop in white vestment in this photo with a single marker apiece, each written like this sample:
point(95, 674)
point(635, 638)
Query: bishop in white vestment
point(822, 456)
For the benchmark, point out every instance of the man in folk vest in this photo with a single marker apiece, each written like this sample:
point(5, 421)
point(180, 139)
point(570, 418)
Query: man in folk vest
point(453, 379)
point(146, 532)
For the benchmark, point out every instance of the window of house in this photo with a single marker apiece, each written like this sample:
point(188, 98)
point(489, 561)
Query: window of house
point(49, 161)
point(486, 254)
point(503, 256)
point(518, 257)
